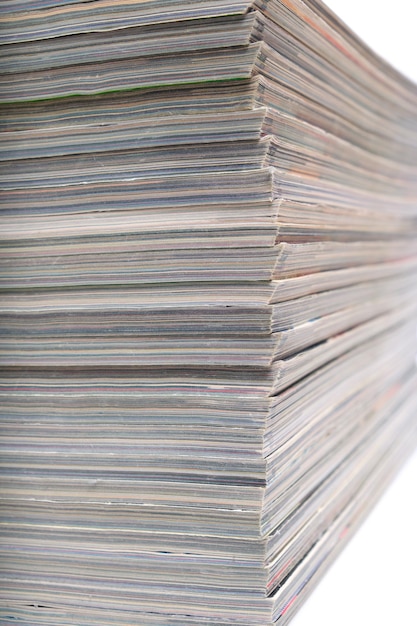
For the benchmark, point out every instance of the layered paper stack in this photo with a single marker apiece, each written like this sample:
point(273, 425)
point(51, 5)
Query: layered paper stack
point(209, 261)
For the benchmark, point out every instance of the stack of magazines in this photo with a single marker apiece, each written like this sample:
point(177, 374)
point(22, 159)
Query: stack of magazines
point(209, 304)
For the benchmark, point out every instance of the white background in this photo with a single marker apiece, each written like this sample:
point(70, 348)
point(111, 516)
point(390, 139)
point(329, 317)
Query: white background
point(389, 27)
point(374, 581)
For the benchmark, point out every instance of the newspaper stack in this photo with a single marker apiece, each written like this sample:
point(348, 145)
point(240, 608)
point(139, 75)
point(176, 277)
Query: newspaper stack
point(209, 261)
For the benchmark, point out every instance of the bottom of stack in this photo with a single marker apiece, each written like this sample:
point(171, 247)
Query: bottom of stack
point(240, 539)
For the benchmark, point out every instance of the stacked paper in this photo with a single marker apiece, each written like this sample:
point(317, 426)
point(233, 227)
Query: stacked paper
point(209, 261)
